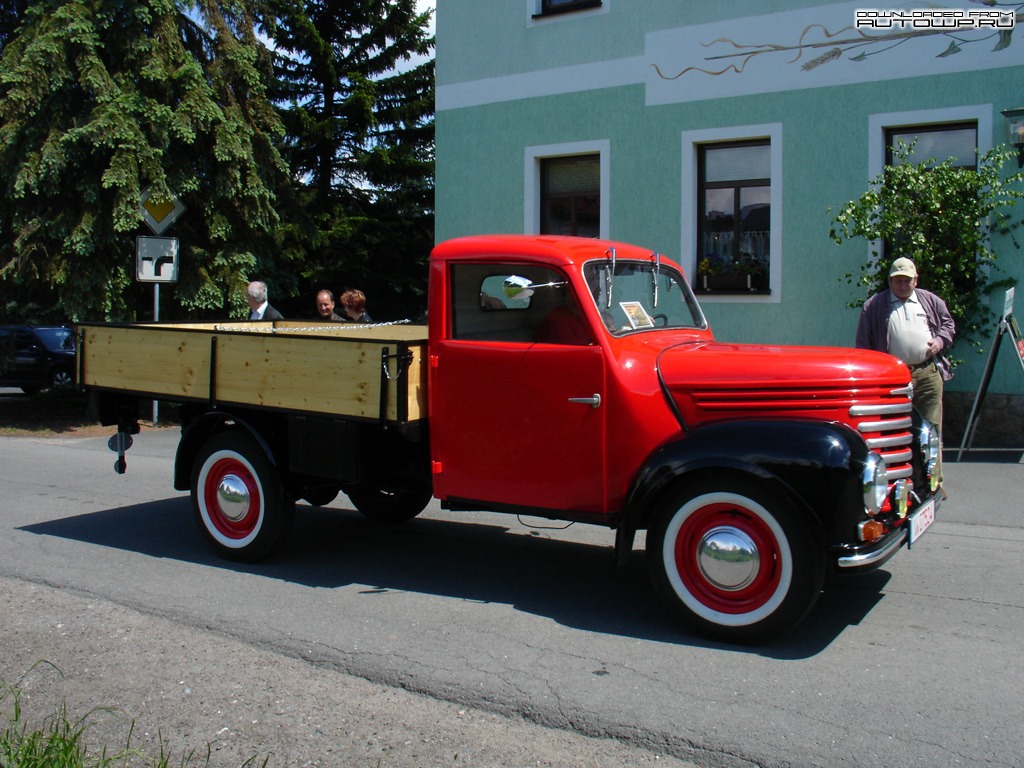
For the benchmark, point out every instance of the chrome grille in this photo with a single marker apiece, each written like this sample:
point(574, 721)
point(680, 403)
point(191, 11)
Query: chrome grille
point(885, 427)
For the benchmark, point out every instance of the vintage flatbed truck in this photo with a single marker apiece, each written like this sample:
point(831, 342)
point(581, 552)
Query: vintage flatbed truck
point(567, 378)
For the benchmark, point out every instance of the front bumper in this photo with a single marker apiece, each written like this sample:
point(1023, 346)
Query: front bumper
point(853, 558)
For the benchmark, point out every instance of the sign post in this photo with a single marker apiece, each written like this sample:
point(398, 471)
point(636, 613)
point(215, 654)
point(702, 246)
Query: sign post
point(1007, 325)
point(156, 258)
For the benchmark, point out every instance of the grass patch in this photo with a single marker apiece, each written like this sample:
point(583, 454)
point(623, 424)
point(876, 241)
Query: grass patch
point(61, 740)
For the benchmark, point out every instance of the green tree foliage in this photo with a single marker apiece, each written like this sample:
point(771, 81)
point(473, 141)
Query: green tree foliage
point(942, 217)
point(356, 92)
point(100, 99)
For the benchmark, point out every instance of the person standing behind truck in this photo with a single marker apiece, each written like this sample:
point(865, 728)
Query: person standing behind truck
point(256, 295)
point(353, 304)
point(325, 307)
point(914, 325)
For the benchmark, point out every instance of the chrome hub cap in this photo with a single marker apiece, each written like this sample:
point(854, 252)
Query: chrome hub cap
point(233, 498)
point(728, 558)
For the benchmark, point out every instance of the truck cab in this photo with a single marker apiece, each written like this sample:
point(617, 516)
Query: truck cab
point(578, 379)
point(543, 370)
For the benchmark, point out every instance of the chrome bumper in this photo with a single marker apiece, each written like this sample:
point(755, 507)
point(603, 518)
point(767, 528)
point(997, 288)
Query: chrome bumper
point(875, 556)
point(881, 552)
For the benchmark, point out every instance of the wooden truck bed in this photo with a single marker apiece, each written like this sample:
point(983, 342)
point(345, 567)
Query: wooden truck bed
point(373, 372)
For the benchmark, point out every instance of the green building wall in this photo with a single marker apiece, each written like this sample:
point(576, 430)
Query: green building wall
point(508, 82)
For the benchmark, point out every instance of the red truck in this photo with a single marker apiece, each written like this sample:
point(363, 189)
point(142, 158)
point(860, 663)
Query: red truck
point(568, 378)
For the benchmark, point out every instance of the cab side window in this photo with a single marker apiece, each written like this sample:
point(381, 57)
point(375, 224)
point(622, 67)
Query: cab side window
point(512, 303)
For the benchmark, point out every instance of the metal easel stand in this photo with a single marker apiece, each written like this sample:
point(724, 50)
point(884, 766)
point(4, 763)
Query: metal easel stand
point(1006, 326)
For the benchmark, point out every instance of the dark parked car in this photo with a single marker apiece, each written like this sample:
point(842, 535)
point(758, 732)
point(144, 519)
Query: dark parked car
point(35, 357)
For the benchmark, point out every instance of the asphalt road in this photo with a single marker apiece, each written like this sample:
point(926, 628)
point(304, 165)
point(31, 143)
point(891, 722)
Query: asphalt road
point(529, 632)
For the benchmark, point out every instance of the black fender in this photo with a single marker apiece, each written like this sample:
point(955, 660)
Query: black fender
point(818, 465)
point(202, 428)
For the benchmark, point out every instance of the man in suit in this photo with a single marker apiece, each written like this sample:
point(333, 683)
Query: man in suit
point(256, 295)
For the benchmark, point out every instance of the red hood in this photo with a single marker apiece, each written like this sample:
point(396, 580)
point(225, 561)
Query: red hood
point(713, 379)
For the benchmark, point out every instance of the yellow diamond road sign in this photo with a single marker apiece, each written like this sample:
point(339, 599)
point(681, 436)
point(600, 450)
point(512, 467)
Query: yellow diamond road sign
point(159, 216)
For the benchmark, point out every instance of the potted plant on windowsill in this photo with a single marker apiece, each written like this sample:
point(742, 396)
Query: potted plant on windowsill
point(754, 269)
point(705, 269)
point(745, 273)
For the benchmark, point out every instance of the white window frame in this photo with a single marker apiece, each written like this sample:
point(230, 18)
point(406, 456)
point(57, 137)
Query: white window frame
point(692, 143)
point(534, 9)
point(532, 179)
point(879, 123)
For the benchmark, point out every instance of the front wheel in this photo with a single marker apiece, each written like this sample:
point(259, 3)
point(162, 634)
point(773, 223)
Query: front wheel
point(239, 499)
point(61, 377)
point(734, 560)
point(388, 505)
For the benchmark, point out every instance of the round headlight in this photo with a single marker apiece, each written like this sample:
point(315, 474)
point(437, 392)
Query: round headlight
point(929, 441)
point(875, 483)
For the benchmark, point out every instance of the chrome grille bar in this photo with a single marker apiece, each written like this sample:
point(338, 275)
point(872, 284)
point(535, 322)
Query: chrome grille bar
point(885, 426)
point(880, 410)
point(897, 457)
point(890, 441)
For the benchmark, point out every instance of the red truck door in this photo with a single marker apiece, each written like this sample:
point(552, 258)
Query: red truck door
point(506, 426)
point(517, 422)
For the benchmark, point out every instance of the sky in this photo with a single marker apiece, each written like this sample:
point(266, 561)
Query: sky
point(424, 5)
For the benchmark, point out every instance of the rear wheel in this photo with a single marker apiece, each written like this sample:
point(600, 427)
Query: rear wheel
point(388, 505)
point(320, 496)
point(734, 560)
point(238, 498)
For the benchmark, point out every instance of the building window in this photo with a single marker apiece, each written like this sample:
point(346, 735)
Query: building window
point(938, 142)
point(944, 141)
point(734, 217)
point(550, 7)
point(570, 201)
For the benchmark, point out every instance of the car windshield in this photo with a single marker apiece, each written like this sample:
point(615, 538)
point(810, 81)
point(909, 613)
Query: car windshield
point(640, 295)
point(57, 339)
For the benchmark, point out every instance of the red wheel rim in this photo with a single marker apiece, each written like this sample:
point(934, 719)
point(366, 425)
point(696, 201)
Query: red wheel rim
point(766, 580)
point(226, 526)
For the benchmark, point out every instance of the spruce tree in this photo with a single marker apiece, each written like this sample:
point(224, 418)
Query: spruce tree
point(356, 91)
point(101, 99)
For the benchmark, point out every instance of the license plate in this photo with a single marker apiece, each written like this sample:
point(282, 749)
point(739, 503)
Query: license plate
point(921, 520)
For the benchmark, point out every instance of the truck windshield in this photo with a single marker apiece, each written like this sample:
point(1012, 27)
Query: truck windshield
point(642, 295)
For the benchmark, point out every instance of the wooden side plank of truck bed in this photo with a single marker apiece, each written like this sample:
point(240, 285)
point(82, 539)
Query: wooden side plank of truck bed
point(334, 369)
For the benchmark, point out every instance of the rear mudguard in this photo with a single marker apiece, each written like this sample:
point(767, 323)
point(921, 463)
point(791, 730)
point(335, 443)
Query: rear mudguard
point(818, 466)
point(198, 431)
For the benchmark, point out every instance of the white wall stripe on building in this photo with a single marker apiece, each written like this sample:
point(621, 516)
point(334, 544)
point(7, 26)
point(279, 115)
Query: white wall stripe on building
point(814, 47)
point(548, 82)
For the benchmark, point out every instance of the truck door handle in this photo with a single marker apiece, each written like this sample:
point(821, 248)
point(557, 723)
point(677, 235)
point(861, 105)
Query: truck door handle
point(594, 401)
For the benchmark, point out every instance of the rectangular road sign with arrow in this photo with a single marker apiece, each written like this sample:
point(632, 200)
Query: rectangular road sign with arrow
point(156, 259)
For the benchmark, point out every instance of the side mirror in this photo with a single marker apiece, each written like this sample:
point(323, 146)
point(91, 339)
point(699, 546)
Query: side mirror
point(517, 288)
point(521, 288)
